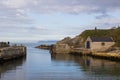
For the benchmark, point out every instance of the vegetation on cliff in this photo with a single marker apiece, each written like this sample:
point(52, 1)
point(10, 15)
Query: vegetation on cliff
point(79, 40)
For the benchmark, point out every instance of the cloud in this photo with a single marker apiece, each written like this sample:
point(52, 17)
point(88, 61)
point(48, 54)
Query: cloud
point(21, 8)
point(14, 3)
point(102, 16)
point(15, 15)
point(64, 6)
point(76, 6)
point(107, 22)
point(40, 28)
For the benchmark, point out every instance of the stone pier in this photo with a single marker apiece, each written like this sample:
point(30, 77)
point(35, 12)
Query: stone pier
point(12, 52)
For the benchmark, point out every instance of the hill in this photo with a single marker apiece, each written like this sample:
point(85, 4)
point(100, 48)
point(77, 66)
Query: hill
point(79, 40)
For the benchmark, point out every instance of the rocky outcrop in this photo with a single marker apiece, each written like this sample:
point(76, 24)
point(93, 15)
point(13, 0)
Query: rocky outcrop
point(61, 48)
point(67, 45)
point(44, 46)
point(76, 42)
point(66, 40)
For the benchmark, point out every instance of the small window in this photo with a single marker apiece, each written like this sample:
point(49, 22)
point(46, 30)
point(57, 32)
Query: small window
point(103, 44)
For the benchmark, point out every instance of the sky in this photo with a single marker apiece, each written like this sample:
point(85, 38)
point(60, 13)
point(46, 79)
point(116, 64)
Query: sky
point(34, 20)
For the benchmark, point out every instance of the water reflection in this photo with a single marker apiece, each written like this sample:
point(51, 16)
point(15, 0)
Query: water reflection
point(41, 66)
point(11, 65)
point(90, 65)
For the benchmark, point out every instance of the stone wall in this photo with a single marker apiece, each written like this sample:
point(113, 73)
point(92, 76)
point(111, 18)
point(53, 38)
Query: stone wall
point(12, 52)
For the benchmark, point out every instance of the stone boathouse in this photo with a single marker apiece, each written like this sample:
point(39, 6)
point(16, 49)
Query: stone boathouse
point(99, 43)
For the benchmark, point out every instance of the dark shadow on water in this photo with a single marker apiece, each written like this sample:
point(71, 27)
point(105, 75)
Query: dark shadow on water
point(11, 65)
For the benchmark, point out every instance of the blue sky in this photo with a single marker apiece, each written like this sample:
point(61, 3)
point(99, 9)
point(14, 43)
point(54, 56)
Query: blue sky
point(34, 20)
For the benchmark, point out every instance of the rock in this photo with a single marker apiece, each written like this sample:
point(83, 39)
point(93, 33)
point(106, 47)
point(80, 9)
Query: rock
point(44, 46)
point(61, 48)
point(64, 41)
point(67, 44)
point(76, 41)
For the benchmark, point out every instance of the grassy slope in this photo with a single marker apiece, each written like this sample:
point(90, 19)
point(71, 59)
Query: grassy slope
point(94, 33)
point(114, 33)
point(79, 40)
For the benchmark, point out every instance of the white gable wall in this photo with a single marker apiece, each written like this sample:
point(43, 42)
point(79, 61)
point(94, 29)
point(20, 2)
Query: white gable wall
point(88, 39)
point(97, 46)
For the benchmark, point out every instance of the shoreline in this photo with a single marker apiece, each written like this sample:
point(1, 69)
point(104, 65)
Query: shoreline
point(110, 55)
point(100, 55)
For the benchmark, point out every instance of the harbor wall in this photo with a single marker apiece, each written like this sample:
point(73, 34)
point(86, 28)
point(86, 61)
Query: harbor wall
point(12, 52)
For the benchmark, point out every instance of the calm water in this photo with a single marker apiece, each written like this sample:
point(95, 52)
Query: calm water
point(41, 65)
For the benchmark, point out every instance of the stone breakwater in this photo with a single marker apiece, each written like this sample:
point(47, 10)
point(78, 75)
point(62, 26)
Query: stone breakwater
point(12, 52)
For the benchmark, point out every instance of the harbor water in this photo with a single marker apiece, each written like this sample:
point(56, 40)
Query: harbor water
point(41, 65)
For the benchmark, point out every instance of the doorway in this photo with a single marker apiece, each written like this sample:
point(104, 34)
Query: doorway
point(88, 45)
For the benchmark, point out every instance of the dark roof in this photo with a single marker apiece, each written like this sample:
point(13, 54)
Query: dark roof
point(101, 39)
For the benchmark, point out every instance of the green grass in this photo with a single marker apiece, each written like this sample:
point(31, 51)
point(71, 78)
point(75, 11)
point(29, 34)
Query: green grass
point(114, 33)
point(79, 40)
point(94, 33)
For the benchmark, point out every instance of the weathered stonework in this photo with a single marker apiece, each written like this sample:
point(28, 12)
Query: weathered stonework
point(61, 48)
point(8, 52)
point(12, 52)
point(4, 44)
